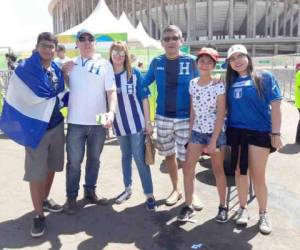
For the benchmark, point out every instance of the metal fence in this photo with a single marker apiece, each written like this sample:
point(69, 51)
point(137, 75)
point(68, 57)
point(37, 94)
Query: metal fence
point(283, 67)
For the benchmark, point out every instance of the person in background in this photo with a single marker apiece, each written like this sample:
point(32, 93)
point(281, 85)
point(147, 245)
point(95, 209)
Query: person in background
point(297, 100)
point(172, 72)
point(253, 129)
point(140, 65)
point(11, 61)
point(31, 117)
point(92, 85)
point(132, 119)
point(207, 132)
point(61, 55)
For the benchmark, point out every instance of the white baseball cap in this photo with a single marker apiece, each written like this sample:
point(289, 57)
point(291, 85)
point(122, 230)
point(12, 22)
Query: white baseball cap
point(236, 48)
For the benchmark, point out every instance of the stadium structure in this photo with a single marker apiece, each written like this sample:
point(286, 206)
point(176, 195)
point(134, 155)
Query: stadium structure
point(266, 27)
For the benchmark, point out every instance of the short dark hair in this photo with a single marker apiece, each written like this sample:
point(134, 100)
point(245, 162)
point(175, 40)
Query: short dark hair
point(173, 28)
point(48, 36)
point(61, 47)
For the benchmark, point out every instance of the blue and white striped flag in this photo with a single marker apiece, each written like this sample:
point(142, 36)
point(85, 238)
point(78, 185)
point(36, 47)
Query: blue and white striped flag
point(30, 101)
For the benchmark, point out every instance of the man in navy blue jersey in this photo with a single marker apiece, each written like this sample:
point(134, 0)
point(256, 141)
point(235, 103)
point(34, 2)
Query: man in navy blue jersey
point(172, 72)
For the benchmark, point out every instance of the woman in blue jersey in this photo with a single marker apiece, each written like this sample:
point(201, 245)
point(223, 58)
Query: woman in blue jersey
point(254, 121)
point(132, 118)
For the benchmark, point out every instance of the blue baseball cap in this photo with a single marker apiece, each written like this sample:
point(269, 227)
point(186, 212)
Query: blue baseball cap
point(84, 31)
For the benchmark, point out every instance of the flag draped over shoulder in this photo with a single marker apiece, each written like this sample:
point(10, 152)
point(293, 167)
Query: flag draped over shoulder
point(29, 103)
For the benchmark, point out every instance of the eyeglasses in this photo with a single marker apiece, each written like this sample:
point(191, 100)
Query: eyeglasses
point(86, 39)
point(118, 53)
point(169, 38)
point(235, 58)
point(47, 46)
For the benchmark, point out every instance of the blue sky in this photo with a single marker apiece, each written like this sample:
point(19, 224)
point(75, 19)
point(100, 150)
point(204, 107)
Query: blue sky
point(22, 20)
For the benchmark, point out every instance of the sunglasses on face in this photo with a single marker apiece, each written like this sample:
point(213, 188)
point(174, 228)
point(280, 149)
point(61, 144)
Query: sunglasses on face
point(47, 46)
point(118, 53)
point(237, 57)
point(170, 38)
point(85, 39)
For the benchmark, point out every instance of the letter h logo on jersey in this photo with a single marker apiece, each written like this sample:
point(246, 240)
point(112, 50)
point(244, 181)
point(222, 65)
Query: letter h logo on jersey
point(184, 68)
point(95, 69)
point(238, 93)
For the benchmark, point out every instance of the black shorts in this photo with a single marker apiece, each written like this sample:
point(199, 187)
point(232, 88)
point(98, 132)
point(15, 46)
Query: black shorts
point(253, 137)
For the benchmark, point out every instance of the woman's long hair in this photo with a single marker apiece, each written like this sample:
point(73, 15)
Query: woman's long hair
point(120, 46)
point(232, 75)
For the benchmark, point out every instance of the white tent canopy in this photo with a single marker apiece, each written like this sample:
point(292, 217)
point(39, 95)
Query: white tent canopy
point(102, 21)
point(132, 34)
point(148, 40)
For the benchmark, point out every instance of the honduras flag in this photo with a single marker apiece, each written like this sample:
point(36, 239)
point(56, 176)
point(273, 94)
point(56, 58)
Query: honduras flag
point(30, 101)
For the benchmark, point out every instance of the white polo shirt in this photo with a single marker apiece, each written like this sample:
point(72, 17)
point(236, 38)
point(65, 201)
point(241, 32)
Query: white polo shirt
point(89, 80)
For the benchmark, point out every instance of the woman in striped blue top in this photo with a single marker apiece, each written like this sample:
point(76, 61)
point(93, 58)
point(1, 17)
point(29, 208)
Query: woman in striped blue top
point(132, 119)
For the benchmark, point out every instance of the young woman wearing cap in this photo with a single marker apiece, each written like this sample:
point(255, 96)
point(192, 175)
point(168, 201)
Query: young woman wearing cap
point(130, 122)
point(206, 131)
point(254, 121)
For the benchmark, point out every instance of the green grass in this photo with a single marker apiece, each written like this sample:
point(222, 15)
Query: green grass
point(3, 65)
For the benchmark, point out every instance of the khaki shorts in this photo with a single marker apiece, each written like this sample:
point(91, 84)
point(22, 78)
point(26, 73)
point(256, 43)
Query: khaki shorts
point(48, 156)
point(172, 135)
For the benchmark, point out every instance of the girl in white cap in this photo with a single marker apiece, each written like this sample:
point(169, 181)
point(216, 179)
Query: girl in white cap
point(206, 132)
point(253, 132)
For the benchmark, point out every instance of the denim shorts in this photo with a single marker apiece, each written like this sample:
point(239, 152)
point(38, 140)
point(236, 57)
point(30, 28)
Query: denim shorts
point(204, 138)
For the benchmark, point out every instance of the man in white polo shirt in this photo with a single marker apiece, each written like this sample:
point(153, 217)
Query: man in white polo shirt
point(91, 79)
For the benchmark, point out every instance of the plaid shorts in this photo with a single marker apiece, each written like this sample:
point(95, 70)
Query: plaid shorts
point(172, 135)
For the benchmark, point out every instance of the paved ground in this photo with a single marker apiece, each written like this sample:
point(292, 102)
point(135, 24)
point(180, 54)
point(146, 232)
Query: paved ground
point(130, 226)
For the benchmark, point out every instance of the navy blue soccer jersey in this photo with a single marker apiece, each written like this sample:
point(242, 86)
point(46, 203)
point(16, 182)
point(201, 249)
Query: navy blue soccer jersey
point(172, 78)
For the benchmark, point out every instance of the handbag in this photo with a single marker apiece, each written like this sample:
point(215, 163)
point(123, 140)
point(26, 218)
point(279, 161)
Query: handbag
point(149, 150)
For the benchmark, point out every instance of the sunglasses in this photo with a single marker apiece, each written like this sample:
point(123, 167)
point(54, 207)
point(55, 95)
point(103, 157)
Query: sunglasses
point(47, 46)
point(169, 38)
point(118, 53)
point(86, 39)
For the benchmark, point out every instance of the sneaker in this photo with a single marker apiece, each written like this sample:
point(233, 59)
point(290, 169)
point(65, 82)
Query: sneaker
point(123, 197)
point(93, 198)
point(70, 206)
point(222, 215)
point(242, 216)
point(51, 206)
point(173, 198)
point(196, 203)
point(38, 227)
point(186, 213)
point(150, 204)
point(264, 223)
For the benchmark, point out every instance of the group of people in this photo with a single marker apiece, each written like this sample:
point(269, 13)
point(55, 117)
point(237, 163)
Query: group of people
point(196, 113)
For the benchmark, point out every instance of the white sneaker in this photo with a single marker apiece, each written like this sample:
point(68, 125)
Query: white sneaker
point(242, 216)
point(197, 203)
point(123, 196)
point(264, 223)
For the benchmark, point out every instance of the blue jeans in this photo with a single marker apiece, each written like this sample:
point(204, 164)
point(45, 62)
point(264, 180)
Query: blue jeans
point(134, 145)
point(79, 136)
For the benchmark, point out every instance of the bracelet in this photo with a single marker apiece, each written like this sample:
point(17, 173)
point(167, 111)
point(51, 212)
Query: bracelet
point(148, 122)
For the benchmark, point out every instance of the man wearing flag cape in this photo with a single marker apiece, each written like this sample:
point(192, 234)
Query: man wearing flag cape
point(31, 117)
